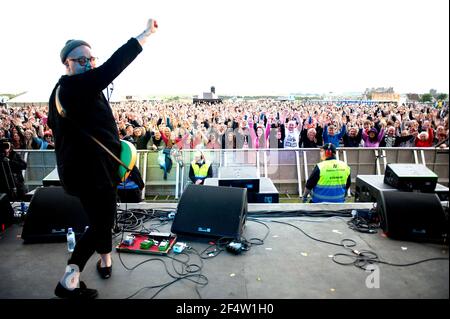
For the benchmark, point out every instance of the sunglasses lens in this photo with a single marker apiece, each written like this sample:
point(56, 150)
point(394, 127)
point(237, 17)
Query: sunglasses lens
point(82, 61)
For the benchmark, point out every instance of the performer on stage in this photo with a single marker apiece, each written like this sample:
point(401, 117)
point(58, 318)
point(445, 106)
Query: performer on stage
point(85, 169)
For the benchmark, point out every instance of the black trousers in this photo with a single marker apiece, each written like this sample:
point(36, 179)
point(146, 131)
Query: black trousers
point(100, 206)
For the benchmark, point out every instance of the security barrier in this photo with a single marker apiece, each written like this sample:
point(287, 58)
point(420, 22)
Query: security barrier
point(287, 168)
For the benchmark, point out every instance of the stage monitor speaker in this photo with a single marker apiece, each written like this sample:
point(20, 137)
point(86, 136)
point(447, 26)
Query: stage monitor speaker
point(211, 212)
point(410, 177)
point(412, 216)
point(51, 212)
point(129, 195)
point(6, 212)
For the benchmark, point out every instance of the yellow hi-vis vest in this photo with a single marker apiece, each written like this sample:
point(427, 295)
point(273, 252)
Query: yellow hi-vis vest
point(331, 185)
point(200, 172)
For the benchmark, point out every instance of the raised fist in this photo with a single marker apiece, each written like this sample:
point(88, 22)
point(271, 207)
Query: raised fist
point(152, 25)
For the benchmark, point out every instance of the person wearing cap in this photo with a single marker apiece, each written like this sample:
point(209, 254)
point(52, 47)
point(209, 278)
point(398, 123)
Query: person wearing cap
point(85, 169)
point(373, 137)
point(329, 180)
point(48, 143)
point(200, 169)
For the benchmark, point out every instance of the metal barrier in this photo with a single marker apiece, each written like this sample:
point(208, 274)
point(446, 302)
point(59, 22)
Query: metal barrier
point(39, 164)
point(287, 168)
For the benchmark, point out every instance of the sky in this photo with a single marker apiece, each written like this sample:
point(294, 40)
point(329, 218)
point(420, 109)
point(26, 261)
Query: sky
point(242, 47)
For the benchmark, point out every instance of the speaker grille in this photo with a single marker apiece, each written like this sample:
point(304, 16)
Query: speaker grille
point(412, 216)
point(211, 211)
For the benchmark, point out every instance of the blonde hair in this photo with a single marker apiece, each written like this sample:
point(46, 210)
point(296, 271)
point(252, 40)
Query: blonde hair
point(311, 130)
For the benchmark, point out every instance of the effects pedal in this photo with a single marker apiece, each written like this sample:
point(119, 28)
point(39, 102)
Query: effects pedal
point(163, 245)
point(146, 244)
point(179, 247)
point(129, 240)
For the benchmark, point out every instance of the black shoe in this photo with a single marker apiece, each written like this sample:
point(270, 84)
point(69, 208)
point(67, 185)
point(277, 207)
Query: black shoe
point(105, 272)
point(78, 293)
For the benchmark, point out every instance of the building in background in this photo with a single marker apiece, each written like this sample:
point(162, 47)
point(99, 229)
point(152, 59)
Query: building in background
point(382, 95)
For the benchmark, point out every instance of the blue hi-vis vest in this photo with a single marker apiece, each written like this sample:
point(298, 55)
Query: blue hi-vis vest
point(200, 172)
point(331, 185)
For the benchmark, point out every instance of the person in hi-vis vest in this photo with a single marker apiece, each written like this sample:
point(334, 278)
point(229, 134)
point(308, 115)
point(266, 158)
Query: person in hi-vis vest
point(200, 169)
point(329, 180)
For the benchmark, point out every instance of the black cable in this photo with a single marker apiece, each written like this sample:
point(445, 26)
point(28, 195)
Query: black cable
point(319, 240)
point(185, 274)
point(362, 225)
point(188, 270)
point(321, 213)
point(301, 213)
point(134, 219)
point(365, 221)
point(360, 259)
point(193, 268)
point(257, 241)
point(184, 277)
point(163, 286)
point(219, 245)
point(364, 258)
point(413, 263)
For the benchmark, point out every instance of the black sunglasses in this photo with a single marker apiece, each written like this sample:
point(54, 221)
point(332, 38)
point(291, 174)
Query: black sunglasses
point(83, 60)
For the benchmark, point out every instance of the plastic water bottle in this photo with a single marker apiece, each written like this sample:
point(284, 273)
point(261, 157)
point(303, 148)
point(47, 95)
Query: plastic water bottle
point(70, 240)
point(23, 208)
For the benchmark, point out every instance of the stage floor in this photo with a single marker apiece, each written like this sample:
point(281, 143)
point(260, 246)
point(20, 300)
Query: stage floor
point(289, 265)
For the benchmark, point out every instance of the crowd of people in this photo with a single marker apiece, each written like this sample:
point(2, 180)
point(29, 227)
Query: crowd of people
point(162, 126)
point(171, 126)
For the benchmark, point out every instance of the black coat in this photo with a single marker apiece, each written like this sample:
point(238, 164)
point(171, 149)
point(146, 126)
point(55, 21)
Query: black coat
point(82, 165)
point(352, 141)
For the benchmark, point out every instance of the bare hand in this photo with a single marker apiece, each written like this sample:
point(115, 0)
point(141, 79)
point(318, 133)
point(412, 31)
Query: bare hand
point(152, 25)
point(151, 28)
